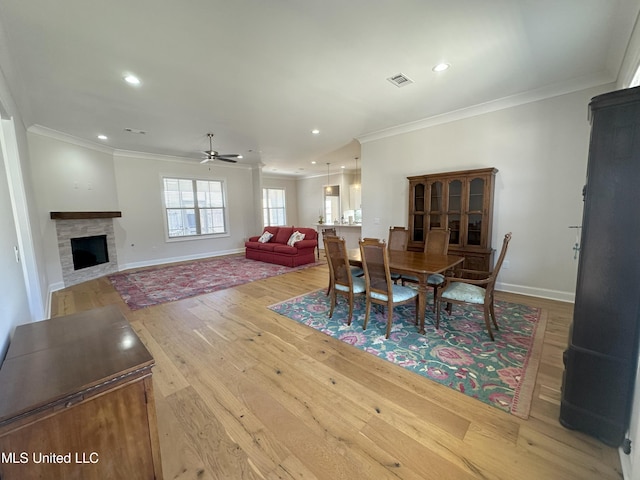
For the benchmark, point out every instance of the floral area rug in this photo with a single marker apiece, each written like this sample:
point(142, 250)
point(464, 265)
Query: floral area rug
point(156, 285)
point(459, 354)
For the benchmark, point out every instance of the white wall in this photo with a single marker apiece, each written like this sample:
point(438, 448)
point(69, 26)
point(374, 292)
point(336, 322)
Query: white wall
point(140, 233)
point(15, 306)
point(540, 150)
point(68, 177)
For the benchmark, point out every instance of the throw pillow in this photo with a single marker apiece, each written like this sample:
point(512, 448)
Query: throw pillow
point(295, 237)
point(265, 237)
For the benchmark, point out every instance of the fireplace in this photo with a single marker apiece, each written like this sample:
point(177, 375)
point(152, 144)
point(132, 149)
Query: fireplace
point(89, 251)
point(94, 232)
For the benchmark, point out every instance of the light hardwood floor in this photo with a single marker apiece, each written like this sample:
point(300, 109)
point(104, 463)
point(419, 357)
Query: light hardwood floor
point(243, 393)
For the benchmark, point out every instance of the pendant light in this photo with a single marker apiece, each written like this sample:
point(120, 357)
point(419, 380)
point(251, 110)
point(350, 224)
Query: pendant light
point(357, 184)
point(329, 189)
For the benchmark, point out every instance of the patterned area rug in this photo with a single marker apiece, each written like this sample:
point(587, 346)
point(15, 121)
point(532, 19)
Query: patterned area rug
point(459, 354)
point(156, 285)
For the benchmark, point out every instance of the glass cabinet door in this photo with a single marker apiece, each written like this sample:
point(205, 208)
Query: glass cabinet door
point(436, 209)
point(476, 215)
point(454, 211)
point(419, 208)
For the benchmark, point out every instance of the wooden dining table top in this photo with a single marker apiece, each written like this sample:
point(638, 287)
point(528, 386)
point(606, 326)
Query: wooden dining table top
point(402, 261)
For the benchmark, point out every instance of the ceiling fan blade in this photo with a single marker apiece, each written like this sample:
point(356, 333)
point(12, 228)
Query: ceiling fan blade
point(206, 160)
point(230, 160)
point(228, 155)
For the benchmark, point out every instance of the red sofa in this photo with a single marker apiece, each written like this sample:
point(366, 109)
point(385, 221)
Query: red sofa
point(277, 251)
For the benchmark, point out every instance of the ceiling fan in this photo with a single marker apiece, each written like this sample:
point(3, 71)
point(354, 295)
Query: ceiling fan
point(211, 154)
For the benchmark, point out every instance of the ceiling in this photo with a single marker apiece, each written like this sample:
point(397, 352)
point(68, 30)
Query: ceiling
point(262, 74)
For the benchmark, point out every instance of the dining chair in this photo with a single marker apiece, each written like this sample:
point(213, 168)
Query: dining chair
point(342, 282)
point(437, 243)
point(326, 231)
point(379, 287)
point(356, 271)
point(398, 240)
point(474, 291)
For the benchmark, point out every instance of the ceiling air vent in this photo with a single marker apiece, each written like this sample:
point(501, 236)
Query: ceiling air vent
point(135, 131)
point(400, 80)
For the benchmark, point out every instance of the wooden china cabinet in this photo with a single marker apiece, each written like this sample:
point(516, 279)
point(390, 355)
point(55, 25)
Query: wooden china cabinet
point(461, 201)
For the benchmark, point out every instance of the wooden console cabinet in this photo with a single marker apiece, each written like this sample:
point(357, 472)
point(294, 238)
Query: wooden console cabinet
point(76, 401)
point(461, 201)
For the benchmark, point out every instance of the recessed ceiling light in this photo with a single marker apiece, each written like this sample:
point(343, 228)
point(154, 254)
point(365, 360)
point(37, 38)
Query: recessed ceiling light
point(441, 67)
point(342, 166)
point(315, 131)
point(102, 137)
point(131, 79)
point(239, 156)
point(313, 162)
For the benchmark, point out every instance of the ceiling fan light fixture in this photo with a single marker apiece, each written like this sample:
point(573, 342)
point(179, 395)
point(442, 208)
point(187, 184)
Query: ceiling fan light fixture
point(212, 154)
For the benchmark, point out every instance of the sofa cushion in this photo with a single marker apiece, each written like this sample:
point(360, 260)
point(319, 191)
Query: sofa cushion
point(265, 237)
point(266, 247)
point(295, 237)
point(306, 244)
point(283, 235)
point(286, 249)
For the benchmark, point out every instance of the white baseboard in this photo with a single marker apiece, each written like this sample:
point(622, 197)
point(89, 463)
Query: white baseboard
point(537, 292)
point(625, 463)
point(162, 261)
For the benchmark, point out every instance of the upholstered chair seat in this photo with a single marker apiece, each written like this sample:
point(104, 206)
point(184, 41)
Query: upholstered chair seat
point(358, 286)
point(398, 292)
point(465, 293)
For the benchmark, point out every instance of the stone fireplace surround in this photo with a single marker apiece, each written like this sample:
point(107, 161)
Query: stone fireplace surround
point(84, 224)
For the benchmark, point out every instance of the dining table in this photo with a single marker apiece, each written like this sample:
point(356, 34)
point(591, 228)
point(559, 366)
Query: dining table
point(417, 264)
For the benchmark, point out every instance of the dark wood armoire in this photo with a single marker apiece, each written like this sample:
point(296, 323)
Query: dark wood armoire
point(600, 362)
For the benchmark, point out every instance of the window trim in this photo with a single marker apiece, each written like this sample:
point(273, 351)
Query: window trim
point(194, 178)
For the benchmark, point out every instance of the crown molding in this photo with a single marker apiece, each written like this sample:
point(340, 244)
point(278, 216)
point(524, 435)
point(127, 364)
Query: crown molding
point(174, 159)
point(542, 93)
point(65, 137)
point(151, 156)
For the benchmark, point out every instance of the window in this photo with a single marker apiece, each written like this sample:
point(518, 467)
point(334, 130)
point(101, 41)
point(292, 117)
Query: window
point(194, 207)
point(273, 207)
